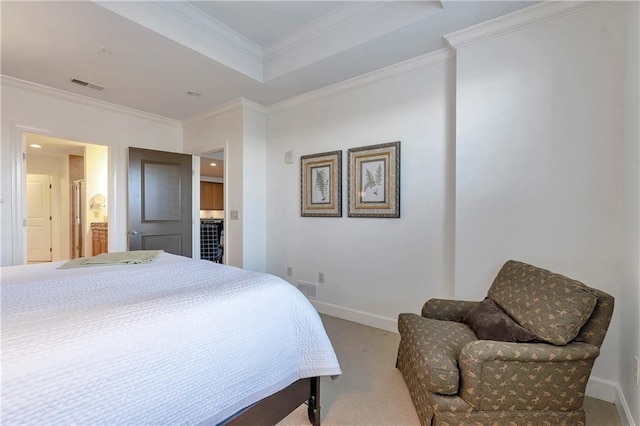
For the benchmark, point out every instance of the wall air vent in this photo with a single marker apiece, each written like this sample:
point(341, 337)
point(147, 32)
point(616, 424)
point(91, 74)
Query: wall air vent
point(86, 84)
point(308, 289)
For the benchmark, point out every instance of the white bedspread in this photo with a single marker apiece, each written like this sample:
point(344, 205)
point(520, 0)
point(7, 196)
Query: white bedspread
point(175, 341)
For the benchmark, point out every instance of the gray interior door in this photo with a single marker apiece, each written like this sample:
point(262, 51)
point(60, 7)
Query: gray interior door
point(160, 201)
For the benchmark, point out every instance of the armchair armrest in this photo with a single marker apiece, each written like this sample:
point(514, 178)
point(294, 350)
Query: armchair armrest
point(525, 376)
point(447, 309)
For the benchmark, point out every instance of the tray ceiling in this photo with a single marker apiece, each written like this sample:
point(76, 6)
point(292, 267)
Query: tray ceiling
point(147, 55)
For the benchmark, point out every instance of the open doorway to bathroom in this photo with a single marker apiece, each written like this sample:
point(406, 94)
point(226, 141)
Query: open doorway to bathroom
point(212, 190)
point(66, 205)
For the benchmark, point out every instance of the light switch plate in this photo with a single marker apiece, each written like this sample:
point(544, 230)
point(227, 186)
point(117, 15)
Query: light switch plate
point(288, 157)
point(234, 214)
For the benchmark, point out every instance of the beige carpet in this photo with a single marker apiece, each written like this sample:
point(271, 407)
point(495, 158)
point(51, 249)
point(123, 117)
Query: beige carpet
point(371, 390)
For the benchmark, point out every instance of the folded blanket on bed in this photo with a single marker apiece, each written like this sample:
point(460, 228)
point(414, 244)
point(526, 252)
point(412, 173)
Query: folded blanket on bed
point(121, 258)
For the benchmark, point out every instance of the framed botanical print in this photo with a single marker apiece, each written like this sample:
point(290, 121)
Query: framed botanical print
point(374, 181)
point(321, 184)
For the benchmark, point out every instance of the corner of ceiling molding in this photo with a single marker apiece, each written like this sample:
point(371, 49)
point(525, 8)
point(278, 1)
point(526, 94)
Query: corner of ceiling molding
point(238, 103)
point(514, 21)
point(254, 106)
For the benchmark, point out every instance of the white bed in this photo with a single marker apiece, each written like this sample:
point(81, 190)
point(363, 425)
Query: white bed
point(174, 341)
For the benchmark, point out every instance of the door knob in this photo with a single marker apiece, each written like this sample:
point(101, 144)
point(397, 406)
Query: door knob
point(135, 232)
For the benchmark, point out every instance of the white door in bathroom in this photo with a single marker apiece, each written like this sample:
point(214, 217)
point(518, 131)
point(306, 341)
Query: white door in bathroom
point(38, 218)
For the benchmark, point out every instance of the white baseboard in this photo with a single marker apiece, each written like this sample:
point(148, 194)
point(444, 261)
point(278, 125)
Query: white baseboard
point(610, 391)
point(623, 408)
point(603, 389)
point(597, 387)
point(365, 318)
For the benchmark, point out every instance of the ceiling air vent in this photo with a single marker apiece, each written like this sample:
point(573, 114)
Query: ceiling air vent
point(86, 84)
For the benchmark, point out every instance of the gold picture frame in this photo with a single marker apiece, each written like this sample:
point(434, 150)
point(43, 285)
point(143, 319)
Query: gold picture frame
point(321, 184)
point(374, 181)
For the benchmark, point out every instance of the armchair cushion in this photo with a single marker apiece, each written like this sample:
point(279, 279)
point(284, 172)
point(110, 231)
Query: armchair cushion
point(434, 348)
point(525, 376)
point(490, 322)
point(551, 306)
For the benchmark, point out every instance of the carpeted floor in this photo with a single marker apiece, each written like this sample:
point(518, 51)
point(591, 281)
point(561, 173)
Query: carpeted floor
point(371, 391)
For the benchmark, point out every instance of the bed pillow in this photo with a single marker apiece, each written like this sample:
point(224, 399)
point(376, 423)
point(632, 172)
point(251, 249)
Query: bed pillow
point(490, 322)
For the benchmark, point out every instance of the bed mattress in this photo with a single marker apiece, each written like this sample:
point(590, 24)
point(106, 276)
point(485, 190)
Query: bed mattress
point(175, 341)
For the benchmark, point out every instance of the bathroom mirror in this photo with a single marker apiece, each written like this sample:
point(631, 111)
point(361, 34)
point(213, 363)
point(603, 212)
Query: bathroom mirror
point(97, 201)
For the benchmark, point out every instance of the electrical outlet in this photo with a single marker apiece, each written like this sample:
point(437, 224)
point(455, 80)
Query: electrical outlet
point(289, 271)
point(637, 369)
point(321, 277)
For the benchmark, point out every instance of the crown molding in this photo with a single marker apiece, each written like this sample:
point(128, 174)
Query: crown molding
point(240, 103)
point(195, 30)
point(229, 106)
point(340, 18)
point(337, 32)
point(254, 106)
point(319, 27)
point(345, 27)
point(213, 27)
point(514, 21)
point(80, 99)
point(392, 71)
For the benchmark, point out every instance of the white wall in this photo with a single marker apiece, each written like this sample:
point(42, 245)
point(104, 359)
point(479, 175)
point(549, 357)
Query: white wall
point(374, 268)
point(254, 170)
point(539, 158)
point(629, 302)
point(55, 113)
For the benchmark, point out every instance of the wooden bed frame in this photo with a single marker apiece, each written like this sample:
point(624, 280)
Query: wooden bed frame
point(276, 407)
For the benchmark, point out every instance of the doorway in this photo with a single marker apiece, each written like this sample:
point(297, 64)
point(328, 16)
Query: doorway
point(76, 170)
point(78, 195)
point(212, 201)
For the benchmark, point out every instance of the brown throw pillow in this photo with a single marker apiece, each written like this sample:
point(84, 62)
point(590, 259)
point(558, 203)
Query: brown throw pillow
point(490, 322)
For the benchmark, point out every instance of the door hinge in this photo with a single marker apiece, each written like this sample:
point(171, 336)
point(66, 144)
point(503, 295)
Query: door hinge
point(50, 186)
point(24, 156)
point(50, 249)
point(49, 217)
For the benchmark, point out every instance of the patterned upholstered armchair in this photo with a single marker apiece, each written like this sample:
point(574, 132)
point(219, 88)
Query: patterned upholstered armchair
point(550, 329)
